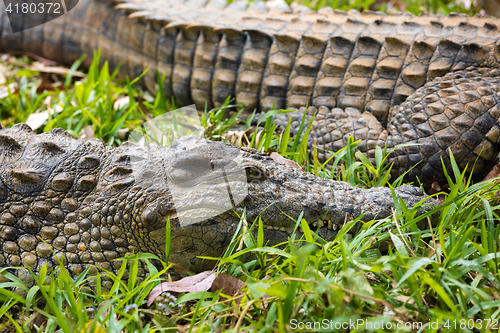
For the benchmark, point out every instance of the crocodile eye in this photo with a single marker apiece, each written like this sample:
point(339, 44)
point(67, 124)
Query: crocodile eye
point(254, 173)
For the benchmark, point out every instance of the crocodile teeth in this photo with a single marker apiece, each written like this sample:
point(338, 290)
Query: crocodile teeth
point(319, 223)
point(274, 227)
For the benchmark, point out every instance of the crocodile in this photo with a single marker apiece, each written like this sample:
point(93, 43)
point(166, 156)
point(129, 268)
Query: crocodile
point(429, 80)
point(82, 203)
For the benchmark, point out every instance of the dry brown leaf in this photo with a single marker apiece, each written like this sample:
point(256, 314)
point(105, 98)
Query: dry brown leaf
point(121, 102)
point(199, 282)
point(229, 285)
point(12, 58)
point(4, 91)
point(87, 132)
point(235, 137)
point(495, 172)
point(122, 133)
point(41, 67)
point(405, 299)
point(47, 84)
point(281, 160)
point(3, 72)
point(435, 188)
point(36, 120)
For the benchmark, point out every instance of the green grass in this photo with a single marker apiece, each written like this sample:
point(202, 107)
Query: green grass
point(400, 269)
point(413, 6)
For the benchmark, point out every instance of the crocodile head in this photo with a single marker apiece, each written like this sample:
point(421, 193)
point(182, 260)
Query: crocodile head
point(204, 187)
point(87, 204)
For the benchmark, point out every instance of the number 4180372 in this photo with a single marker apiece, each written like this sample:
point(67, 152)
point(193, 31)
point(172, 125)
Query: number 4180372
point(471, 323)
point(32, 8)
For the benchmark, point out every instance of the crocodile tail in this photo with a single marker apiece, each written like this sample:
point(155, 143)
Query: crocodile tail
point(60, 39)
point(90, 25)
point(263, 54)
point(200, 62)
point(458, 112)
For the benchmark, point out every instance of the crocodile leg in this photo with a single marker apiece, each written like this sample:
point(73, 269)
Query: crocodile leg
point(458, 111)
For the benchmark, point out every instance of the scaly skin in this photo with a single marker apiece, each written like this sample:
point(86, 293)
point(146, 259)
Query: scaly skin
point(428, 79)
point(91, 204)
